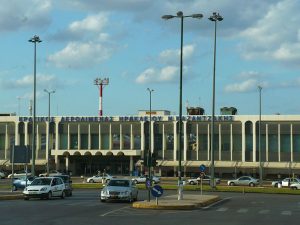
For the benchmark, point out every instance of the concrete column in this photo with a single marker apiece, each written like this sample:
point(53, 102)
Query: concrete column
point(131, 166)
point(243, 142)
point(67, 162)
point(185, 142)
point(89, 137)
point(143, 136)
point(57, 137)
point(57, 162)
point(208, 142)
point(175, 141)
point(254, 141)
point(17, 135)
point(197, 141)
point(231, 142)
point(100, 138)
point(279, 144)
point(26, 133)
point(110, 137)
point(7, 142)
point(131, 137)
point(267, 142)
point(292, 146)
point(220, 142)
point(38, 140)
point(79, 136)
point(121, 138)
point(175, 171)
point(69, 136)
point(164, 143)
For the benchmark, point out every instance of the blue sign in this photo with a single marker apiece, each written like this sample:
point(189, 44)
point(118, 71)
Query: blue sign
point(202, 168)
point(157, 191)
point(148, 183)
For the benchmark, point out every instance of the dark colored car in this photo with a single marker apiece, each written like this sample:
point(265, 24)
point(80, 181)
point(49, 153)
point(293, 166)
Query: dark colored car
point(68, 183)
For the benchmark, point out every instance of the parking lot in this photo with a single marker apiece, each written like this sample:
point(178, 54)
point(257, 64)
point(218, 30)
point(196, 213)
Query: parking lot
point(85, 208)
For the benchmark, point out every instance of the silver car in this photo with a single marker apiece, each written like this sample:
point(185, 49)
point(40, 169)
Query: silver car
point(244, 181)
point(119, 189)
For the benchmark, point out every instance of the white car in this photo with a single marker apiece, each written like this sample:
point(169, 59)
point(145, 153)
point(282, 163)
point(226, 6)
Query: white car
point(2, 175)
point(51, 173)
point(99, 179)
point(142, 179)
point(287, 182)
point(45, 187)
point(19, 174)
point(295, 186)
point(119, 189)
point(205, 180)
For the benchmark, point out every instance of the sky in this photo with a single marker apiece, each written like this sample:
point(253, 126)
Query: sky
point(127, 41)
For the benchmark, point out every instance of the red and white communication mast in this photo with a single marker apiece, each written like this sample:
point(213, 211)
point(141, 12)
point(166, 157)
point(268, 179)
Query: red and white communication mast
point(100, 82)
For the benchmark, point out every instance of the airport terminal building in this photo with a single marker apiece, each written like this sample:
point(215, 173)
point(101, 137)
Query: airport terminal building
point(85, 145)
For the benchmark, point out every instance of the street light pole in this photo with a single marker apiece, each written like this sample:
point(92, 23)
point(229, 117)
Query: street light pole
point(35, 39)
point(215, 17)
point(149, 150)
point(259, 139)
point(181, 16)
point(48, 140)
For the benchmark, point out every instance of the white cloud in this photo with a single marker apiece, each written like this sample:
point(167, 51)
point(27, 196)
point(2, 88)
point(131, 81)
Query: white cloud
point(244, 86)
point(42, 80)
point(172, 55)
point(152, 75)
point(80, 55)
point(34, 14)
point(276, 35)
point(92, 23)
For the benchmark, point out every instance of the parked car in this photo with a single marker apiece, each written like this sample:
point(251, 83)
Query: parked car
point(45, 187)
point(295, 186)
point(2, 175)
point(285, 182)
point(119, 189)
point(205, 180)
point(20, 183)
point(143, 178)
point(68, 184)
point(99, 179)
point(20, 174)
point(51, 173)
point(244, 180)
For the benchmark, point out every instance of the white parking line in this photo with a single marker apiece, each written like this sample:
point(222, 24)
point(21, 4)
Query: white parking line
point(242, 210)
point(286, 213)
point(105, 214)
point(264, 211)
point(222, 209)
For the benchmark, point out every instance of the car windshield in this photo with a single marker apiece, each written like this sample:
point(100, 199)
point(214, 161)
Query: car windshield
point(119, 183)
point(64, 178)
point(41, 181)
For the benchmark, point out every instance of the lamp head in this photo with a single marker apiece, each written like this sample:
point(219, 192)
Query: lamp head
point(167, 17)
point(215, 17)
point(197, 16)
point(180, 14)
point(35, 39)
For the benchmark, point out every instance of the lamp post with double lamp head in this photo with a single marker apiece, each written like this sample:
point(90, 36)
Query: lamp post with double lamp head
point(214, 18)
point(259, 139)
point(35, 39)
point(181, 17)
point(49, 122)
point(149, 149)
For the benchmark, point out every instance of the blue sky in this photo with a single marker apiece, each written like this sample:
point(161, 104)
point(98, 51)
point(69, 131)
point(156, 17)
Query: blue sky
point(258, 43)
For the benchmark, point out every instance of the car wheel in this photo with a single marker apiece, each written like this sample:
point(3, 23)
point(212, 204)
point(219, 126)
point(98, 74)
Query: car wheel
point(231, 184)
point(251, 185)
point(136, 182)
point(276, 185)
point(15, 188)
point(49, 195)
point(91, 181)
point(106, 181)
point(294, 188)
point(130, 198)
point(192, 183)
point(63, 195)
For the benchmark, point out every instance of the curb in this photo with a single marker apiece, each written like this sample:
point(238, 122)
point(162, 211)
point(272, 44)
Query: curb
point(175, 204)
point(11, 197)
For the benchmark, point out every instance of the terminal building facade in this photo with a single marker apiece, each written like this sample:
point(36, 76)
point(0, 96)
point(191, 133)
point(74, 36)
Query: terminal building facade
point(85, 145)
